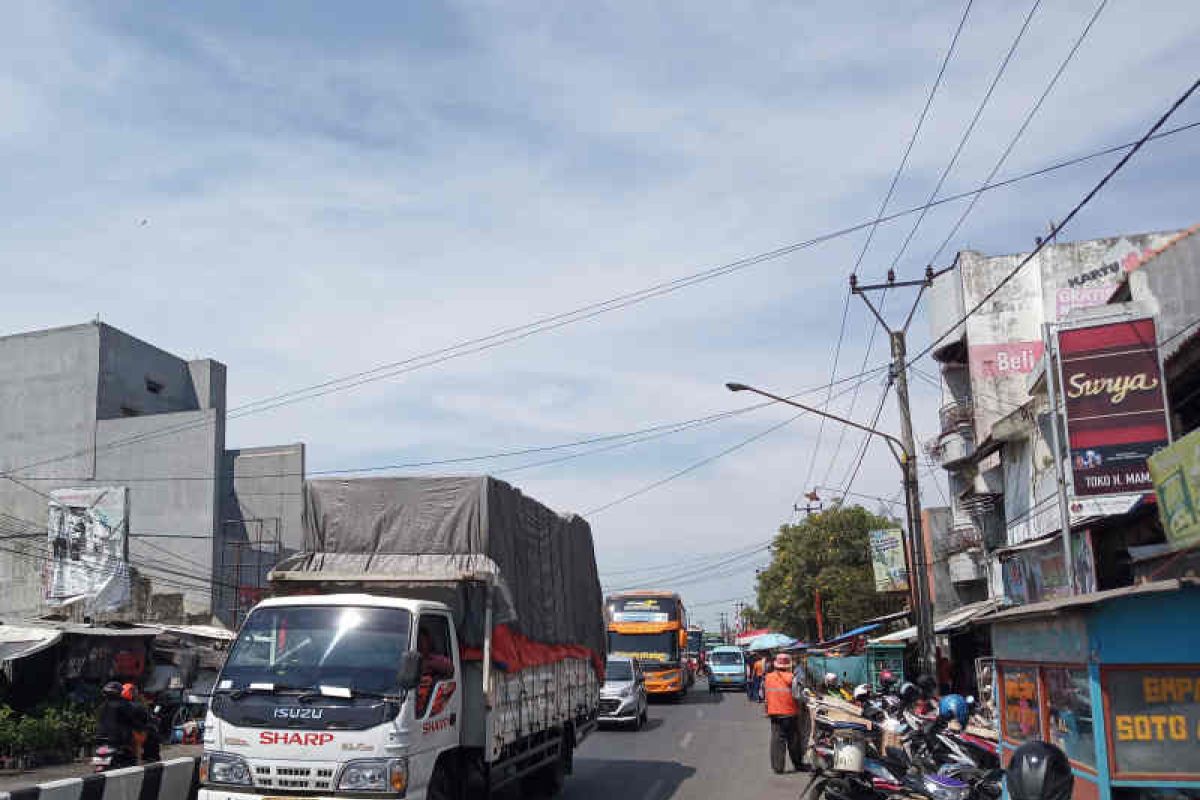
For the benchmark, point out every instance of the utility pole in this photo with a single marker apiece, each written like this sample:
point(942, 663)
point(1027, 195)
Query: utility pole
point(918, 576)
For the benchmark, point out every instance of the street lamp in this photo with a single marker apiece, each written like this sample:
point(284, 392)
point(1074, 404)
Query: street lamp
point(922, 608)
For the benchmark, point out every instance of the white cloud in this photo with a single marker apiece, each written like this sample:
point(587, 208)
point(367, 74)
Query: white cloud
point(321, 198)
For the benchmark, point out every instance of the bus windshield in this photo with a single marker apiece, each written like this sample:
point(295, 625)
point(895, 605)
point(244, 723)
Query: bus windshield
point(654, 648)
point(643, 609)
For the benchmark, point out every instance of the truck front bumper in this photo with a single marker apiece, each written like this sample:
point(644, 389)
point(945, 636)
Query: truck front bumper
point(210, 793)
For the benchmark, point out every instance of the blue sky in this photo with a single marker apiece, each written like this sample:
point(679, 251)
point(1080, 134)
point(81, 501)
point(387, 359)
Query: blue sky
point(328, 186)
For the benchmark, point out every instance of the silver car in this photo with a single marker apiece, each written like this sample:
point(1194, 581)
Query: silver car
point(623, 695)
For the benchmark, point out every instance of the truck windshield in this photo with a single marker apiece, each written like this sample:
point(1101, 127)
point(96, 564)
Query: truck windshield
point(648, 647)
point(355, 647)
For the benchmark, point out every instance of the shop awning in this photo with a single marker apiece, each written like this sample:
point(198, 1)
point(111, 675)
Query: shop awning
point(1050, 607)
point(18, 641)
point(202, 632)
point(954, 621)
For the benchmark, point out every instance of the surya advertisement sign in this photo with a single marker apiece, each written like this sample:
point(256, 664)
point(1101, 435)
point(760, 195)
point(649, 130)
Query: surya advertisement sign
point(1115, 405)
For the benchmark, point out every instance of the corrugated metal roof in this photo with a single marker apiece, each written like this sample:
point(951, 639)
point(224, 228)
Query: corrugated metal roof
point(1047, 607)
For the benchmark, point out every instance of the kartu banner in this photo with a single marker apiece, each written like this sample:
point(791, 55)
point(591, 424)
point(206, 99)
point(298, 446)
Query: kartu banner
point(1115, 405)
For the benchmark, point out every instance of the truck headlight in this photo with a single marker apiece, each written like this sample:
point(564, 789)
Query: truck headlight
point(374, 775)
point(224, 768)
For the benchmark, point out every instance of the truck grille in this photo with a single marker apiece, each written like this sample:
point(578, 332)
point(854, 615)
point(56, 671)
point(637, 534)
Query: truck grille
point(281, 777)
point(609, 705)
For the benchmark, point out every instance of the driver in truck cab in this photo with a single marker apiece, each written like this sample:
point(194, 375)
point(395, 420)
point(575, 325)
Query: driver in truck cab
point(434, 666)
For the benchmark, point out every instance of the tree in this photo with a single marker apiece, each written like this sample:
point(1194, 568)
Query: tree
point(829, 551)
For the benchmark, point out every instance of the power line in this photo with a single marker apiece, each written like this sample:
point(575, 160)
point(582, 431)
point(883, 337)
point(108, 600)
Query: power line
point(670, 286)
point(887, 198)
point(1108, 176)
point(696, 465)
point(622, 439)
point(1024, 126)
point(962, 143)
point(866, 442)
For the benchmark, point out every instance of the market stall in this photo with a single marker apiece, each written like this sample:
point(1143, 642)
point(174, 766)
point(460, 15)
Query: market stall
point(1113, 678)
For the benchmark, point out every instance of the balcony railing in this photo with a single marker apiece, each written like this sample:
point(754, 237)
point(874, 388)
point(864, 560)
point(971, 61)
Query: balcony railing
point(957, 414)
point(963, 537)
point(953, 446)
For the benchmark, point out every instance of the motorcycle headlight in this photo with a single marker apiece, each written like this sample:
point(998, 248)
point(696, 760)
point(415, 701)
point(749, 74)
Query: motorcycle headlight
point(374, 775)
point(224, 768)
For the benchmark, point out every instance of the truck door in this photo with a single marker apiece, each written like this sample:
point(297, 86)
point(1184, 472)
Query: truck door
point(438, 703)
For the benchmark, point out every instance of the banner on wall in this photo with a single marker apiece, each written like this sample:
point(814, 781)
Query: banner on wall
point(1176, 474)
point(1114, 403)
point(888, 560)
point(86, 532)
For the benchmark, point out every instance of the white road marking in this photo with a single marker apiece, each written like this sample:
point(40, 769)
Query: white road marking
point(686, 740)
point(653, 790)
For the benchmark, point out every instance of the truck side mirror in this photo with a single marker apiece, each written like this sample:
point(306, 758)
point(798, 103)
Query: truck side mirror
point(409, 674)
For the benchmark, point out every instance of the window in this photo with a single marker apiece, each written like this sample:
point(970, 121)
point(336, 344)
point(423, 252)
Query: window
point(153, 386)
point(437, 664)
point(1022, 709)
point(619, 671)
point(1069, 711)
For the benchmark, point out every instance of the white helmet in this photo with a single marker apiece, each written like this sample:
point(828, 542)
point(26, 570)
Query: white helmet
point(831, 679)
point(862, 692)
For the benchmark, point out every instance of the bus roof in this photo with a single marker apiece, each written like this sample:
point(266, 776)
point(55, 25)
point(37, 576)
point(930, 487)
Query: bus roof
point(646, 593)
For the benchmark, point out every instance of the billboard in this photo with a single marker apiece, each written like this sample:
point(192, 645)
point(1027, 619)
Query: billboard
point(86, 532)
point(1114, 404)
point(888, 560)
point(1004, 337)
point(1176, 474)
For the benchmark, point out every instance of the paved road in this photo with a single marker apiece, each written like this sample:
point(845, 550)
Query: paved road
point(708, 747)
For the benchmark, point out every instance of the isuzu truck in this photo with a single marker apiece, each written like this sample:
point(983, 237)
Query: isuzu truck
point(436, 638)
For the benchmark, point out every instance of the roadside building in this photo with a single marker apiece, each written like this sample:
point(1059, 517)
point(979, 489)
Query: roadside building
point(118, 497)
point(995, 435)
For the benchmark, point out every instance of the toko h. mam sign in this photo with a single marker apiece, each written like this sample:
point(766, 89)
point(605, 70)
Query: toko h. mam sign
point(1115, 405)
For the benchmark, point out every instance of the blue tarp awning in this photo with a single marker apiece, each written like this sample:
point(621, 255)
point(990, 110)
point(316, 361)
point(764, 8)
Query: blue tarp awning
point(852, 633)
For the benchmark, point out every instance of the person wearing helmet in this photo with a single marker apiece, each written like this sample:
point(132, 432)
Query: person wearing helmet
point(115, 724)
point(909, 693)
point(782, 711)
point(1039, 771)
point(887, 681)
point(954, 708)
point(861, 694)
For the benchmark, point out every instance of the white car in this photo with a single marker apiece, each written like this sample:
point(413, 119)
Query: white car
point(623, 695)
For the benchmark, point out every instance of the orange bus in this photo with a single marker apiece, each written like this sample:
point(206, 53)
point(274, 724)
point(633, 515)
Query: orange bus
point(651, 626)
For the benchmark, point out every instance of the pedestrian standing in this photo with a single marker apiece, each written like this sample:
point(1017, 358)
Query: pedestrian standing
point(783, 711)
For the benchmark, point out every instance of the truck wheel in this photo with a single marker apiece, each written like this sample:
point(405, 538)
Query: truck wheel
point(444, 784)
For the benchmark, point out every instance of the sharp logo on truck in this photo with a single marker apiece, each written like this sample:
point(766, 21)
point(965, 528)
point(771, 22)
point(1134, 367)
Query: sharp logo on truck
point(299, 713)
point(437, 725)
point(291, 737)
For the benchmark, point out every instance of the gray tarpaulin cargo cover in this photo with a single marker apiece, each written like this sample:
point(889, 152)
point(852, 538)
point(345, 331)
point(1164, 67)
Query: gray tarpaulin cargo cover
point(450, 529)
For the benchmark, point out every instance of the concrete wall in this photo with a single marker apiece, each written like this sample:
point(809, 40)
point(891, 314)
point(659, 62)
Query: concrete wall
point(261, 520)
point(131, 369)
point(172, 479)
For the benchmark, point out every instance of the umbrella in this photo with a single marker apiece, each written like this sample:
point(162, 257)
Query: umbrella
point(771, 641)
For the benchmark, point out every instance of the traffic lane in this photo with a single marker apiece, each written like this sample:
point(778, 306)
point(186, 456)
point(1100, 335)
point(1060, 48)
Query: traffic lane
point(703, 747)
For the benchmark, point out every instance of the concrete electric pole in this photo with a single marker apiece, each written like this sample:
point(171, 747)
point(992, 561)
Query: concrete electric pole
point(918, 576)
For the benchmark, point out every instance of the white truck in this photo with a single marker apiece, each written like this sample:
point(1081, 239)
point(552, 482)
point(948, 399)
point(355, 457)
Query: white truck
point(437, 638)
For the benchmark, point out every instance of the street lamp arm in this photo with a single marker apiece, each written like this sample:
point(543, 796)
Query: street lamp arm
point(894, 444)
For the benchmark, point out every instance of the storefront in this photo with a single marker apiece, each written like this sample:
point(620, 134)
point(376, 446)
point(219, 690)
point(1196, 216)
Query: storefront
point(1113, 678)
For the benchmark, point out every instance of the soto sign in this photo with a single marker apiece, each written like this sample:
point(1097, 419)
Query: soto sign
point(1115, 405)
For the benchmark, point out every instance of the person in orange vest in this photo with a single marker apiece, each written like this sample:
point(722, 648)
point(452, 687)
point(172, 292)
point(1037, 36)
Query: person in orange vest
point(757, 671)
point(783, 712)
